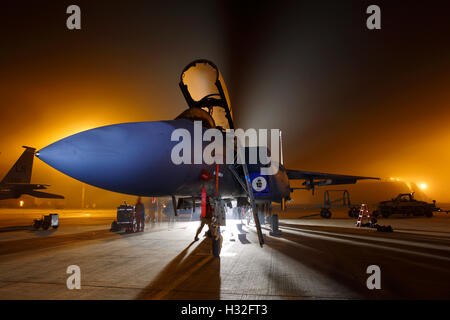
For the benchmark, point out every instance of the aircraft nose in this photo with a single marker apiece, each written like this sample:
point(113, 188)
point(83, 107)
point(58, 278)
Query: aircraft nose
point(131, 158)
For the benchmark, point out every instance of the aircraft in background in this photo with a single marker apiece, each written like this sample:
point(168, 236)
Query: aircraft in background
point(17, 181)
point(135, 158)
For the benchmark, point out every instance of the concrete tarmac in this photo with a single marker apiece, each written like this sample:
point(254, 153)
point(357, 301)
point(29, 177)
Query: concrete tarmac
point(312, 259)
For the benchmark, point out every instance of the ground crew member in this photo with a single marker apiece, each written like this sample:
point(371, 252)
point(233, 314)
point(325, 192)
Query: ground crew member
point(140, 214)
point(206, 219)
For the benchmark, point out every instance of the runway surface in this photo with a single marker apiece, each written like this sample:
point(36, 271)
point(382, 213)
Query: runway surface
point(312, 259)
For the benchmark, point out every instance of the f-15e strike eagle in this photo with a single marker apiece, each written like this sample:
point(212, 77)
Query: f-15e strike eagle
point(138, 158)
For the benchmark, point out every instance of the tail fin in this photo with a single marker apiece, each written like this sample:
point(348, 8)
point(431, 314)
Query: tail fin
point(21, 171)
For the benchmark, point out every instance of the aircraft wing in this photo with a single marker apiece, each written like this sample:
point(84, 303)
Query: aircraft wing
point(40, 194)
point(313, 179)
point(307, 175)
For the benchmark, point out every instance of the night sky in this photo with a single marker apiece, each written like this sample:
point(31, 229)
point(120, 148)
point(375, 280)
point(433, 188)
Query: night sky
point(349, 100)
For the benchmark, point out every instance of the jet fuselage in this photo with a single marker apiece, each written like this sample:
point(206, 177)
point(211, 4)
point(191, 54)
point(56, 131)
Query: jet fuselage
point(135, 159)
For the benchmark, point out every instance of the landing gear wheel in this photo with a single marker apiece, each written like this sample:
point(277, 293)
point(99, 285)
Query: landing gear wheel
point(217, 244)
point(325, 213)
point(216, 247)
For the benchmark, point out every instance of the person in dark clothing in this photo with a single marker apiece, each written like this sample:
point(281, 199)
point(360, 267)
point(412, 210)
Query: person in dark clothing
point(140, 214)
point(205, 219)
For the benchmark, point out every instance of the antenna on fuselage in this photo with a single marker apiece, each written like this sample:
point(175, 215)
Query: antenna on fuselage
point(281, 148)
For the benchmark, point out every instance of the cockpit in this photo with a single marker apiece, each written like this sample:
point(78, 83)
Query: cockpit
point(205, 92)
point(196, 114)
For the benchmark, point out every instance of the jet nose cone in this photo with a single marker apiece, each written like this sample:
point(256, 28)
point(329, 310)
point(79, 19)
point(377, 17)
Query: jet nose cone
point(63, 155)
point(132, 158)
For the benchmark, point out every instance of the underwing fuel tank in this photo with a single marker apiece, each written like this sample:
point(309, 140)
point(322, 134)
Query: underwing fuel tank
point(131, 158)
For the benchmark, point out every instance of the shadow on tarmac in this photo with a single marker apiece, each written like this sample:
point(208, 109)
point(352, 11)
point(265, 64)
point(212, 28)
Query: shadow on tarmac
point(43, 233)
point(15, 228)
point(43, 242)
point(190, 276)
point(342, 259)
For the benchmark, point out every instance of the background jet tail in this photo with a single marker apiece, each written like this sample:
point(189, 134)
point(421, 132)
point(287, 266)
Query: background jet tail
point(21, 171)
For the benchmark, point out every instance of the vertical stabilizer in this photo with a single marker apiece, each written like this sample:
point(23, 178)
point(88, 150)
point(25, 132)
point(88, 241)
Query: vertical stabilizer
point(21, 171)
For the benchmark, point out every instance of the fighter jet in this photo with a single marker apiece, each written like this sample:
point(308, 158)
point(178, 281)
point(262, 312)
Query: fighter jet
point(137, 158)
point(17, 180)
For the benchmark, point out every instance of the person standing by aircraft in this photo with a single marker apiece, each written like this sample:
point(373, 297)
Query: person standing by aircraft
point(140, 214)
point(205, 218)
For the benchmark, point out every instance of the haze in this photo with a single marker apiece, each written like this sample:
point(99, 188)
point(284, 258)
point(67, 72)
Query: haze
point(347, 99)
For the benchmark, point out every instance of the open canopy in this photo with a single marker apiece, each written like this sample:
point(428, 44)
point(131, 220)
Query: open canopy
point(203, 88)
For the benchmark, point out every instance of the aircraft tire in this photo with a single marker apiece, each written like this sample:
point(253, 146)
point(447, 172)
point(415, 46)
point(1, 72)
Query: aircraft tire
point(216, 246)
